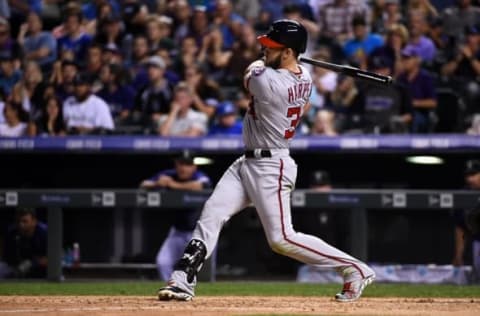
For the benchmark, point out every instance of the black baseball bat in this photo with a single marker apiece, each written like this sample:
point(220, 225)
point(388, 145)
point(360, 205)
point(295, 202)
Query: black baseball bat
point(350, 71)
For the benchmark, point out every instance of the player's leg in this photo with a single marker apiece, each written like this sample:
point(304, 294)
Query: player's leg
point(273, 180)
point(228, 198)
point(170, 251)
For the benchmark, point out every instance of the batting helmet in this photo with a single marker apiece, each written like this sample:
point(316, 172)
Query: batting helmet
point(285, 33)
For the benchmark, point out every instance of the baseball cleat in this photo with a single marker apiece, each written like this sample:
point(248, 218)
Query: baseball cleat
point(353, 290)
point(171, 293)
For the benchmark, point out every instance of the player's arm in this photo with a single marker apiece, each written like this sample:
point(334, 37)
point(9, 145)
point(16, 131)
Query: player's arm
point(257, 64)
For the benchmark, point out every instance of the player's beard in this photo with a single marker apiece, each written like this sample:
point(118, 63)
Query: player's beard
point(275, 62)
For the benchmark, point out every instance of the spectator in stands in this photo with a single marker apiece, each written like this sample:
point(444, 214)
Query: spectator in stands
point(25, 247)
point(171, 74)
point(137, 62)
point(189, 55)
point(116, 92)
point(38, 45)
point(324, 82)
point(245, 51)
point(474, 128)
point(109, 33)
point(323, 123)
point(335, 19)
point(182, 14)
point(421, 43)
point(182, 120)
point(464, 68)
point(472, 181)
point(360, 46)
point(30, 89)
point(422, 7)
point(159, 32)
point(458, 16)
point(84, 112)
point(202, 88)
point(94, 63)
point(384, 109)
point(134, 15)
point(154, 99)
point(16, 119)
point(228, 22)
point(74, 39)
point(51, 121)
point(419, 83)
point(9, 74)
point(184, 176)
point(8, 45)
point(397, 39)
point(62, 77)
point(388, 15)
point(227, 120)
point(294, 12)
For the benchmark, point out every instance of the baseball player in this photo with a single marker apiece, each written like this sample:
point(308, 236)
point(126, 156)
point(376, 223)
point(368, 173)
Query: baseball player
point(265, 175)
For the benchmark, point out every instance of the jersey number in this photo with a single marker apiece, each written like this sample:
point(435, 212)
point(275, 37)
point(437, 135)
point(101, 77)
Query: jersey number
point(294, 113)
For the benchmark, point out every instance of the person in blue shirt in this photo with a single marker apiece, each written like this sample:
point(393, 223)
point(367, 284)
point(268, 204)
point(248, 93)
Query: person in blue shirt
point(227, 122)
point(363, 43)
point(75, 39)
point(185, 177)
point(25, 249)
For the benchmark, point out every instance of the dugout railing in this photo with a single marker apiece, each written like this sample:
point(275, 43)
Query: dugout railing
point(358, 201)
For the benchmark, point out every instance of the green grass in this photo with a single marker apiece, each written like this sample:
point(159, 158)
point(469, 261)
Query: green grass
point(234, 288)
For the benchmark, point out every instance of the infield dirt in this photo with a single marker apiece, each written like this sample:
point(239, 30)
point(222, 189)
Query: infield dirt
point(231, 305)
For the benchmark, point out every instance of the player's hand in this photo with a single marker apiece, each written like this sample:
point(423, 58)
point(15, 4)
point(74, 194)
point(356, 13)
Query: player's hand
point(164, 181)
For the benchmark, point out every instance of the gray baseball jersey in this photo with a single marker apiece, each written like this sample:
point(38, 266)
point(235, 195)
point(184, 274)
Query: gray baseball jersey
point(277, 104)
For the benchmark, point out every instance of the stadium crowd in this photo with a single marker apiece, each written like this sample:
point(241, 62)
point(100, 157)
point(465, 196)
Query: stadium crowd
point(175, 68)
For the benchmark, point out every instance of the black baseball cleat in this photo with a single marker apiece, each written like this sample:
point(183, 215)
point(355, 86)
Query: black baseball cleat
point(173, 293)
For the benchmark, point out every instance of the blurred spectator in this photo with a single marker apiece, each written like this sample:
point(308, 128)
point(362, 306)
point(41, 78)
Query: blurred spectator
point(109, 33)
point(134, 15)
point(30, 89)
point(182, 14)
point(38, 45)
point(182, 119)
point(294, 12)
point(358, 48)
point(62, 77)
point(137, 62)
point(245, 51)
point(248, 9)
point(25, 248)
point(200, 26)
point(384, 109)
point(189, 54)
point(159, 32)
point(4, 9)
point(474, 129)
point(51, 121)
point(387, 14)
point(185, 176)
point(336, 16)
point(344, 94)
point(171, 74)
point(202, 88)
point(9, 74)
point(323, 123)
point(154, 99)
point(84, 112)
point(324, 82)
point(217, 57)
point(437, 34)
point(421, 43)
point(227, 122)
point(464, 68)
point(74, 39)
point(458, 16)
point(16, 119)
point(8, 45)
point(94, 9)
point(397, 38)
point(116, 92)
point(422, 7)
point(472, 182)
point(419, 83)
point(228, 22)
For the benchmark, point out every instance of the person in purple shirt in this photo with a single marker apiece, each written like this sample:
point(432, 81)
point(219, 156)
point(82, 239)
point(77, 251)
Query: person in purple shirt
point(420, 85)
point(422, 44)
point(227, 122)
point(118, 95)
point(186, 177)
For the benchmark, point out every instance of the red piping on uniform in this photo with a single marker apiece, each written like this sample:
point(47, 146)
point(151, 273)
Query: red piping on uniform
point(295, 243)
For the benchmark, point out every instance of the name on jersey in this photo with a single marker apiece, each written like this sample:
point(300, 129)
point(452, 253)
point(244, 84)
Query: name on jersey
point(298, 91)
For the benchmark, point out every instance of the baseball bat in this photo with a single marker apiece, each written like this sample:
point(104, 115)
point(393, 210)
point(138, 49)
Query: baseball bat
point(350, 71)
